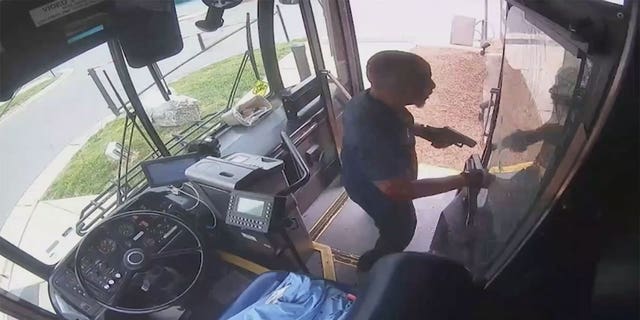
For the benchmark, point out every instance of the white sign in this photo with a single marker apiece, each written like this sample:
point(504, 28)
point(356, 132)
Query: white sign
point(58, 9)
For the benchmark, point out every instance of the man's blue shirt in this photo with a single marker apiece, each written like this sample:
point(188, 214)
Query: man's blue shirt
point(378, 144)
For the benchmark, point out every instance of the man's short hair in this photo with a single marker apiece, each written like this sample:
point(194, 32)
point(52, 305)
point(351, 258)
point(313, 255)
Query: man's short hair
point(398, 71)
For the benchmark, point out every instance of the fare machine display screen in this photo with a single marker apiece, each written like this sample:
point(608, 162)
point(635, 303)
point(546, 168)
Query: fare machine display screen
point(250, 210)
point(250, 206)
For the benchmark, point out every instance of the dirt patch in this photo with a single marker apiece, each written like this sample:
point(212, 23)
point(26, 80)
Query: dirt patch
point(459, 77)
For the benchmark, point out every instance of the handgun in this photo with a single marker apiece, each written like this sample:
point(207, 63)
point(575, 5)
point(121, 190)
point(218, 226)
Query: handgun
point(459, 139)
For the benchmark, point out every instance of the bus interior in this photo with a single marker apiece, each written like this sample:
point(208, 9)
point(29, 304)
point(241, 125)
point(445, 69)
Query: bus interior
point(216, 216)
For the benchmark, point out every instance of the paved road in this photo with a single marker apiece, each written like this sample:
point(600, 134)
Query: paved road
point(32, 137)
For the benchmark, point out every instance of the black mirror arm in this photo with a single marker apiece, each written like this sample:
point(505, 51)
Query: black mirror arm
point(301, 166)
point(473, 163)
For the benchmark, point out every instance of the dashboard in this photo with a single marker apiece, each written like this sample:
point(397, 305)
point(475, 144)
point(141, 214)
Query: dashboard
point(108, 256)
point(150, 252)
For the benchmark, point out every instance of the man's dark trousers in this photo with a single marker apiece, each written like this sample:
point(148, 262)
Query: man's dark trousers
point(396, 227)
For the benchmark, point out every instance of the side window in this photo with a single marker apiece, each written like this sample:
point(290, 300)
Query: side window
point(537, 104)
point(292, 45)
point(335, 60)
point(326, 34)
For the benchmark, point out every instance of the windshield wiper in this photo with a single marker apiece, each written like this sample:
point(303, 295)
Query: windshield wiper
point(130, 125)
point(127, 181)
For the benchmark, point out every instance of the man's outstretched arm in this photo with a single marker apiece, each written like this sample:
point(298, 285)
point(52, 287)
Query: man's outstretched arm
point(406, 190)
point(521, 139)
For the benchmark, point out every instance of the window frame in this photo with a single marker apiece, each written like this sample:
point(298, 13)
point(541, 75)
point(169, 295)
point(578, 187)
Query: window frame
point(15, 306)
point(11, 302)
point(266, 37)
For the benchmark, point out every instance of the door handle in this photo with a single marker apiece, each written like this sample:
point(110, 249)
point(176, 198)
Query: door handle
point(301, 166)
point(473, 163)
point(486, 110)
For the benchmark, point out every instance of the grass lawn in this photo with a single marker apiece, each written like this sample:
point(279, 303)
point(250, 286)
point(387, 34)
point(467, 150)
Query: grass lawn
point(90, 171)
point(211, 85)
point(24, 96)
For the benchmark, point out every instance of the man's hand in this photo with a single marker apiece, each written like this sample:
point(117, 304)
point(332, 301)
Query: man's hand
point(518, 141)
point(406, 189)
point(478, 178)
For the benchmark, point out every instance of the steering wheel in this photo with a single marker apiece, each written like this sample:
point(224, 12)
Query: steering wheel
point(139, 261)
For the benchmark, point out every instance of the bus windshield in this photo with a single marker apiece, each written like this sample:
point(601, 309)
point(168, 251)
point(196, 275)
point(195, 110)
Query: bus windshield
point(72, 143)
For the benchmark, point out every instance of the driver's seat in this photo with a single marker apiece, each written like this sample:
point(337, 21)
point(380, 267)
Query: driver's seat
point(406, 285)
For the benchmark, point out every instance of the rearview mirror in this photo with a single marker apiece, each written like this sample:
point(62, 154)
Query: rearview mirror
point(38, 35)
point(148, 30)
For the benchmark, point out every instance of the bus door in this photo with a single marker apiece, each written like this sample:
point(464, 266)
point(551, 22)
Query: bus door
point(319, 75)
point(553, 80)
point(334, 50)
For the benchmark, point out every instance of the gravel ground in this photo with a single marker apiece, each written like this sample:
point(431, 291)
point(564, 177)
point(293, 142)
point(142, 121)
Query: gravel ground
point(459, 76)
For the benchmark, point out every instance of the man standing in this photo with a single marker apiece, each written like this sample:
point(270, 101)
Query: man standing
point(379, 163)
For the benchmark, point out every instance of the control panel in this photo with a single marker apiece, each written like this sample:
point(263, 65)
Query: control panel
point(252, 211)
point(105, 277)
point(66, 282)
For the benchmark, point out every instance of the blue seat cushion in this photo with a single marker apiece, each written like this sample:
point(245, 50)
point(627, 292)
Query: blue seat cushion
point(265, 284)
point(406, 285)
